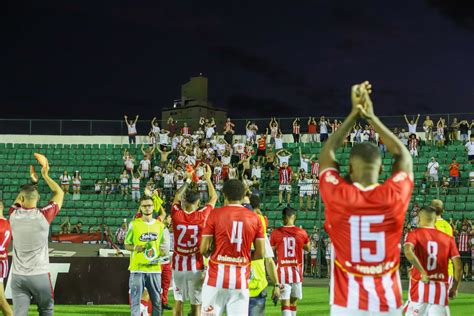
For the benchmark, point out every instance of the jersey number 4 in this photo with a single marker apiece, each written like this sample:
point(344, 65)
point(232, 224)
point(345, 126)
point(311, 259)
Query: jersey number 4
point(360, 231)
point(236, 236)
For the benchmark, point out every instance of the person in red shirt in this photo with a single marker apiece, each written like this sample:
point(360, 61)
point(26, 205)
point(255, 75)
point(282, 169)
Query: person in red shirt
point(289, 241)
point(5, 238)
point(312, 126)
point(262, 146)
point(188, 223)
point(429, 251)
point(296, 130)
point(231, 229)
point(454, 173)
point(364, 219)
point(285, 177)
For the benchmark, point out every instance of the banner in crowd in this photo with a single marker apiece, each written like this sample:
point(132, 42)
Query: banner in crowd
point(77, 238)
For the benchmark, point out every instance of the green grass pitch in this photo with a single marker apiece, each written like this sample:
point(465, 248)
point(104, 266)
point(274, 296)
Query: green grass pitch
point(315, 302)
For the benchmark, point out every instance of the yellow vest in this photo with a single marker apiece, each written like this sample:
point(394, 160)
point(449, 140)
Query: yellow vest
point(443, 225)
point(258, 277)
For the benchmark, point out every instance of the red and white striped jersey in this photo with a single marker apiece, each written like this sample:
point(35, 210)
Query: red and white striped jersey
point(365, 226)
point(187, 232)
point(296, 129)
point(233, 228)
point(412, 143)
point(315, 168)
point(289, 242)
point(285, 175)
point(463, 242)
point(5, 238)
point(433, 249)
point(185, 130)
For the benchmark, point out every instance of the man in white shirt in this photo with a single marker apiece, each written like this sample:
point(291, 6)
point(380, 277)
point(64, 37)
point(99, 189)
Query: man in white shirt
point(412, 124)
point(433, 167)
point(145, 167)
point(323, 129)
point(470, 149)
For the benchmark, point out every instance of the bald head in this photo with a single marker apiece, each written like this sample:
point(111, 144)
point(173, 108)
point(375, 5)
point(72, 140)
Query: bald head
point(438, 206)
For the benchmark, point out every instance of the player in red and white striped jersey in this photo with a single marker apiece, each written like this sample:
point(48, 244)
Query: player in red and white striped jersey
point(364, 219)
point(5, 238)
point(188, 223)
point(285, 176)
point(290, 242)
point(429, 251)
point(464, 246)
point(232, 228)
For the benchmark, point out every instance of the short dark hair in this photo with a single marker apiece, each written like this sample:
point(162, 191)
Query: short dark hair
point(28, 189)
point(254, 201)
point(430, 209)
point(233, 190)
point(288, 212)
point(145, 198)
point(366, 151)
point(191, 196)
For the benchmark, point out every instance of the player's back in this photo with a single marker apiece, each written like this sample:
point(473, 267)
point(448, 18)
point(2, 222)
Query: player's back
point(289, 242)
point(365, 226)
point(433, 249)
point(234, 228)
point(187, 228)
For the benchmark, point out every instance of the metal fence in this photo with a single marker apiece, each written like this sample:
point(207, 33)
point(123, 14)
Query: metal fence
point(118, 127)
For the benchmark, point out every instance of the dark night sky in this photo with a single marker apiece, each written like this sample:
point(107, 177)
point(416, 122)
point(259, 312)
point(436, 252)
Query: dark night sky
point(100, 59)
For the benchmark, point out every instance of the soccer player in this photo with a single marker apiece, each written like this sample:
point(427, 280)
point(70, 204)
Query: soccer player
point(289, 241)
point(188, 222)
point(429, 251)
point(364, 219)
point(232, 228)
point(30, 229)
point(145, 239)
point(5, 237)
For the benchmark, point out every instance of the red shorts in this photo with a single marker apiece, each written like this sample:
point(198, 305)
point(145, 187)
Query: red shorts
point(3, 269)
point(313, 261)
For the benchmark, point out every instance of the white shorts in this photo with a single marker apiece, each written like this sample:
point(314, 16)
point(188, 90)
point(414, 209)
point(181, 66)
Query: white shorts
point(305, 193)
point(426, 309)
point(216, 301)
point(292, 290)
point(285, 187)
point(187, 286)
point(343, 311)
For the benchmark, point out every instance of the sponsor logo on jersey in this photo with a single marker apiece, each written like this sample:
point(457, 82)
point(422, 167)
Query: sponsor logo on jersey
point(148, 237)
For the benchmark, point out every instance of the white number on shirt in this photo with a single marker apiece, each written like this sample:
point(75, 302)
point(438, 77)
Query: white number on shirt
point(7, 235)
point(432, 255)
point(360, 231)
point(236, 237)
point(290, 244)
point(192, 242)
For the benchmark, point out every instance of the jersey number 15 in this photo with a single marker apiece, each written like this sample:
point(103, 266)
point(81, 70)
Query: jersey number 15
point(360, 231)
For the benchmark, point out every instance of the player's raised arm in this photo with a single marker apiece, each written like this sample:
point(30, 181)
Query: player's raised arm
point(413, 259)
point(58, 193)
point(401, 155)
point(210, 187)
point(179, 194)
point(327, 157)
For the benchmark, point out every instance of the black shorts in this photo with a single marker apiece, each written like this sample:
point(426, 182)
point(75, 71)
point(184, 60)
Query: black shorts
point(261, 152)
point(470, 157)
point(465, 257)
point(269, 166)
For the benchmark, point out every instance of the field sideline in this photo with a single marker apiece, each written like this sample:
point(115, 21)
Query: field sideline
point(315, 302)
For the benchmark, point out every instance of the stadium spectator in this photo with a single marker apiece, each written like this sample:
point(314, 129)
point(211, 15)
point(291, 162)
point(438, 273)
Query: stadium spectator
point(245, 227)
point(120, 235)
point(155, 129)
point(296, 130)
point(164, 154)
point(135, 186)
point(145, 165)
point(76, 184)
point(279, 140)
point(312, 129)
point(262, 146)
point(428, 128)
point(412, 124)
point(323, 129)
point(132, 129)
point(347, 210)
point(283, 156)
point(305, 185)
point(65, 180)
point(357, 128)
point(124, 182)
point(251, 130)
point(77, 229)
point(464, 246)
point(285, 175)
point(454, 168)
point(470, 149)
point(105, 188)
point(413, 145)
point(128, 161)
point(98, 187)
point(444, 185)
point(145, 239)
point(464, 130)
point(290, 260)
point(30, 226)
point(382, 146)
point(305, 161)
point(327, 255)
point(172, 127)
point(453, 130)
point(228, 131)
point(440, 131)
point(314, 256)
point(65, 226)
point(271, 160)
point(273, 126)
point(432, 170)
